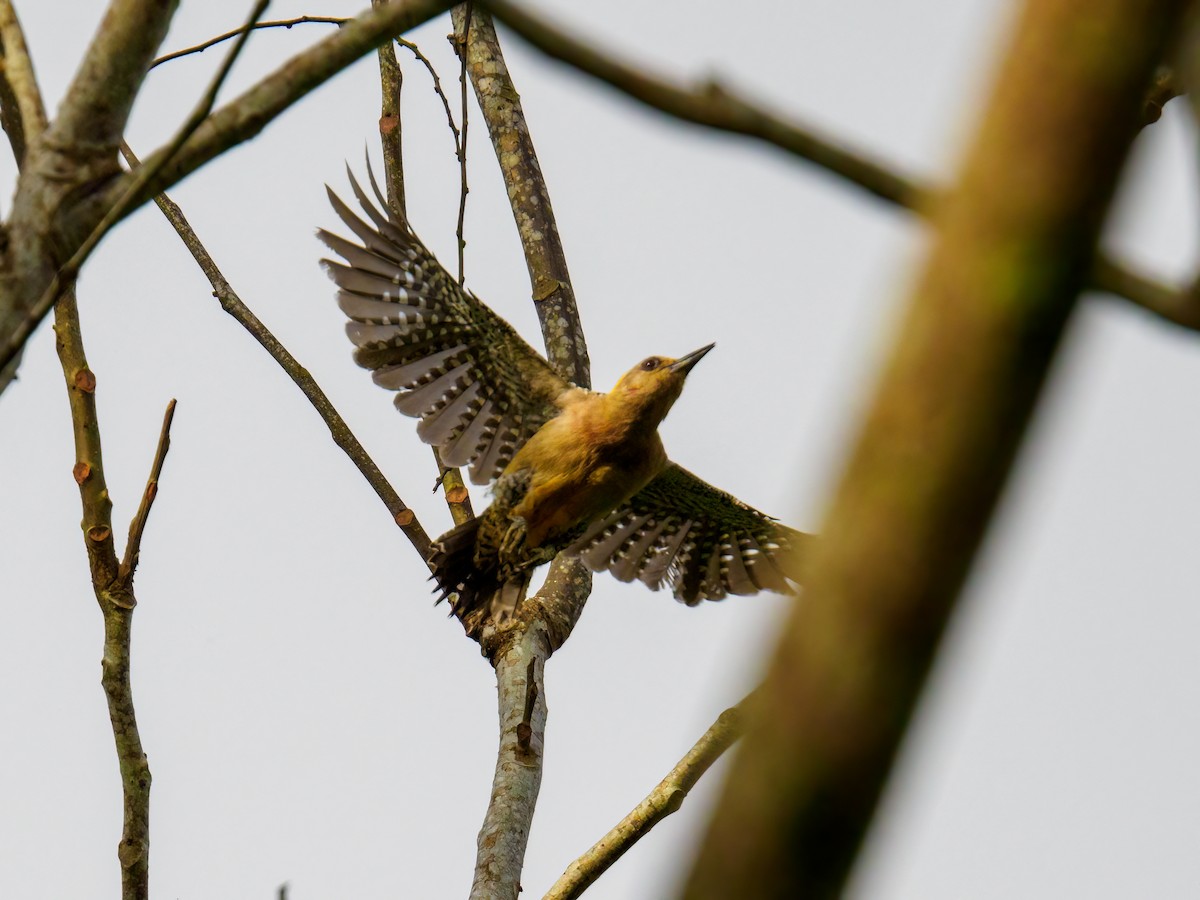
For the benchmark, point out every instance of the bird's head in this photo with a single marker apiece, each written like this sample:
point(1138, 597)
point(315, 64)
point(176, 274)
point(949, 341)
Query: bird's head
point(653, 385)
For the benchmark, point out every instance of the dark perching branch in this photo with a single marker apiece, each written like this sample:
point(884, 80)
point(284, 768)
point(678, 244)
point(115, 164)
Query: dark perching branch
point(520, 648)
point(1013, 244)
point(338, 430)
point(711, 105)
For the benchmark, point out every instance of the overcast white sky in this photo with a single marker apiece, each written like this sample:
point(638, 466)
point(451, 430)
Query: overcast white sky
point(311, 718)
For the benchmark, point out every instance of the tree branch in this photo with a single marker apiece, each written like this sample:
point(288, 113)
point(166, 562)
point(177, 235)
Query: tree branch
point(1013, 245)
point(391, 80)
point(96, 106)
point(256, 26)
point(133, 546)
point(552, 294)
point(112, 584)
point(520, 648)
point(18, 74)
point(67, 272)
point(338, 429)
point(666, 798)
point(711, 105)
point(52, 216)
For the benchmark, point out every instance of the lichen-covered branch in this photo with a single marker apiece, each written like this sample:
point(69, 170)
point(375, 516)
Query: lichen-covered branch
point(712, 105)
point(338, 429)
point(666, 798)
point(520, 648)
point(1013, 245)
point(501, 107)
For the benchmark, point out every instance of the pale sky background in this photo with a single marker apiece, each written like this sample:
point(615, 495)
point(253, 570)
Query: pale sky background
point(311, 718)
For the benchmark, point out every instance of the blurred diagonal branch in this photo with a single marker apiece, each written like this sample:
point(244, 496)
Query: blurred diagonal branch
point(712, 105)
point(1013, 245)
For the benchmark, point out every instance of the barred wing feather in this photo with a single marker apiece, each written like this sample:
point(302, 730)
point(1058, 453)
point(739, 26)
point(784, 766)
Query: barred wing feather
point(701, 542)
point(479, 390)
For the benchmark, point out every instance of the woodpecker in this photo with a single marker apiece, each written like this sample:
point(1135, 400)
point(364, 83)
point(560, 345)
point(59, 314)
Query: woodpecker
point(574, 470)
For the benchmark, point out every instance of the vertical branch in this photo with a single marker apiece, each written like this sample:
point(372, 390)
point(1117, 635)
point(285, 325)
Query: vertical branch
point(391, 80)
point(501, 107)
point(1013, 247)
point(519, 650)
point(112, 584)
point(391, 131)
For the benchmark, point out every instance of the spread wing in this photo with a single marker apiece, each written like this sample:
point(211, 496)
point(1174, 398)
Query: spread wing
point(479, 390)
point(703, 543)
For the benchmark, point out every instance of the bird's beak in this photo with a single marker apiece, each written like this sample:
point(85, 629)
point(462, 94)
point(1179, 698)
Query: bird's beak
point(684, 363)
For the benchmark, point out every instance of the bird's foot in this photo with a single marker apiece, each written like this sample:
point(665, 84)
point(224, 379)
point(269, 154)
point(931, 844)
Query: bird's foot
point(514, 538)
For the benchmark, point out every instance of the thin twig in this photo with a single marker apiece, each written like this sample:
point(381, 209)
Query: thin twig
point(391, 130)
point(125, 202)
point(666, 798)
point(256, 26)
point(133, 546)
point(342, 436)
point(711, 105)
point(459, 39)
point(437, 89)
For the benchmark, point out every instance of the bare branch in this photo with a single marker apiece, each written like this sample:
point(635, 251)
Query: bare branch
point(22, 113)
point(245, 116)
point(666, 798)
point(518, 779)
point(519, 649)
point(391, 81)
point(552, 293)
point(712, 105)
point(340, 432)
point(67, 272)
point(391, 130)
point(53, 216)
point(462, 28)
point(256, 26)
point(115, 596)
point(18, 73)
point(133, 546)
point(96, 106)
point(1012, 248)
point(437, 89)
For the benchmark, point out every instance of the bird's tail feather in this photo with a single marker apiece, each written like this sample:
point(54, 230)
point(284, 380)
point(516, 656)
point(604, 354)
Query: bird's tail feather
point(472, 591)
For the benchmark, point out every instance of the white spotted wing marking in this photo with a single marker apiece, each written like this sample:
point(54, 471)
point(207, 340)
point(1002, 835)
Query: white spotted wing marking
point(704, 544)
point(479, 390)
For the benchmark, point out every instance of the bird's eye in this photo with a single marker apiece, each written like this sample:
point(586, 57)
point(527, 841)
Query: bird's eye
point(651, 364)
